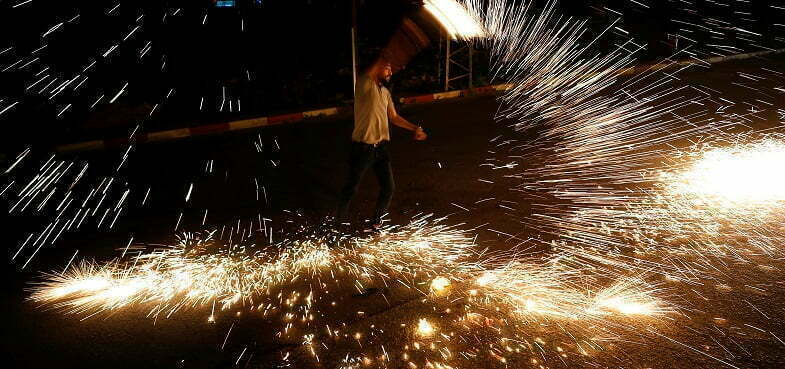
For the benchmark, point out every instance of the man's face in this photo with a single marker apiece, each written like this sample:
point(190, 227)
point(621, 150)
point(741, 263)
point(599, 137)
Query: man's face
point(385, 73)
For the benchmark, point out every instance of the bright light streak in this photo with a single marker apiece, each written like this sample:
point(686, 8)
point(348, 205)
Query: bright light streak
point(455, 19)
point(736, 176)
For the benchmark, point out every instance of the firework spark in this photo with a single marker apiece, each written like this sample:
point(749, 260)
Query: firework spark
point(738, 176)
point(455, 19)
point(198, 273)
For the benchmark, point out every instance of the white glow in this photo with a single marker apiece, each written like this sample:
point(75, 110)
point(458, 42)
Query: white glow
point(425, 329)
point(739, 175)
point(454, 18)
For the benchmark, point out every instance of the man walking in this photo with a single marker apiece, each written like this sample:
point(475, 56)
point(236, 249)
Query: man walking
point(373, 111)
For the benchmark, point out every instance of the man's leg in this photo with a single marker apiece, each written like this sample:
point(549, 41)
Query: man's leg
point(383, 169)
point(360, 158)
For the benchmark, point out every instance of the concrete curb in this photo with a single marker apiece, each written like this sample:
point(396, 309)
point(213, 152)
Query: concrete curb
point(484, 90)
point(714, 60)
point(204, 130)
point(210, 129)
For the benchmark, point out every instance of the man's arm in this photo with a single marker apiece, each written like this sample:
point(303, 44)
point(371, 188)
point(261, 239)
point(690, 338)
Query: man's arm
point(400, 121)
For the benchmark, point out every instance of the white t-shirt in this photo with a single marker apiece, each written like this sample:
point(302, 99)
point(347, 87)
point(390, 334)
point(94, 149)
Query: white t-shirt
point(371, 102)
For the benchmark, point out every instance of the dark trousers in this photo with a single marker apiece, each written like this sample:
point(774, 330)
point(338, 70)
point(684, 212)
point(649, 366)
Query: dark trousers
point(361, 157)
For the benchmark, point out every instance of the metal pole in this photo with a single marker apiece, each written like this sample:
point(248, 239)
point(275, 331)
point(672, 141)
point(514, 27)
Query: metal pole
point(447, 64)
point(439, 60)
point(471, 66)
point(354, 45)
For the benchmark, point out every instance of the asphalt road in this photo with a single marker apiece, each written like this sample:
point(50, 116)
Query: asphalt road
point(301, 169)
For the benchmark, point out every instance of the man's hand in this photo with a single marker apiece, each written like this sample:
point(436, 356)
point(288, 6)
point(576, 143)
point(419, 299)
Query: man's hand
point(419, 134)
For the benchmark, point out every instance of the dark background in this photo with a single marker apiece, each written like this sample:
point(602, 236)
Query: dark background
point(275, 56)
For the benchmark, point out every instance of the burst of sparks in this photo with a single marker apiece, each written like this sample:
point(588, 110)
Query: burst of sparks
point(194, 273)
point(454, 18)
point(736, 176)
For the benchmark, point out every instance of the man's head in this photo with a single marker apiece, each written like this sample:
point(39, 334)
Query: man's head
point(384, 72)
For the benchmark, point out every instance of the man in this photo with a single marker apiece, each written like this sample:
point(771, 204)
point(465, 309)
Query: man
point(373, 111)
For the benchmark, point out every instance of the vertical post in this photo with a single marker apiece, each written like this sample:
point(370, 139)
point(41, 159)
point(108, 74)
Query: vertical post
point(354, 45)
point(471, 66)
point(447, 64)
point(439, 60)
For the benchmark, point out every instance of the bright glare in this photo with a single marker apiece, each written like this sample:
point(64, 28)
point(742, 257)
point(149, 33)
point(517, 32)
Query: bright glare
point(425, 329)
point(454, 18)
point(440, 286)
point(486, 279)
point(627, 297)
point(623, 306)
point(738, 175)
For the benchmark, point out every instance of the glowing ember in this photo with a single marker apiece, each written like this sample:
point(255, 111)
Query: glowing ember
point(440, 286)
point(425, 329)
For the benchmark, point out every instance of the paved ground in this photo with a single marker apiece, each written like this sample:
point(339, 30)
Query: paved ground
point(304, 177)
